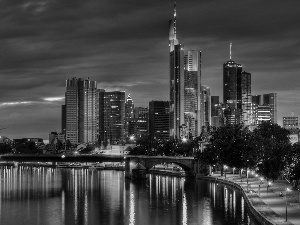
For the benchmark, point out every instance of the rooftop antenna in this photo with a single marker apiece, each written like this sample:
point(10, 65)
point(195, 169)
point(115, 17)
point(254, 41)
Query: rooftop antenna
point(174, 19)
point(230, 50)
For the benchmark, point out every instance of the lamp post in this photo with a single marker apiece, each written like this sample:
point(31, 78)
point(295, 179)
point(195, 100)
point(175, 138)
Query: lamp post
point(261, 180)
point(286, 203)
point(259, 190)
point(299, 196)
point(247, 177)
point(225, 167)
point(269, 185)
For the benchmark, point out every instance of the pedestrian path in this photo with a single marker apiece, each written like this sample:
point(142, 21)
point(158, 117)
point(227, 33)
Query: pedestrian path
point(286, 206)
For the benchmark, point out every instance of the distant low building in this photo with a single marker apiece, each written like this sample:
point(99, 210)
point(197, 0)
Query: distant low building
point(37, 141)
point(290, 122)
point(59, 136)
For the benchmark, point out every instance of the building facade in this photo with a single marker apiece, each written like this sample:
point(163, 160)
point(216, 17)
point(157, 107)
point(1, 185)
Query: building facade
point(192, 93)
point(244, 97)
point(205, 109)
point(176, 79)
point(236, 93)
point(138, 125)
point(271, 100)
point(129, 106)
point(290, 123)
point(185, 85)
point(159, 118)
point(81, 111)
point(263, 114)
point(113, 126)
point(231, 71)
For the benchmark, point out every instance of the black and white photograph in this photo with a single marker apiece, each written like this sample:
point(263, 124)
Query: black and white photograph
point(136, 112)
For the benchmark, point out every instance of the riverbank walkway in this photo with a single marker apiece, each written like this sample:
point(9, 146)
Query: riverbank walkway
point(272, 201)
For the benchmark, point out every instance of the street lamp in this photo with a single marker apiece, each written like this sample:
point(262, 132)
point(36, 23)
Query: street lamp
point(131, 138)
point(286, 203)
point(261, 180)
point(259, 190)
point(225, 167)
point(247, 176)
point(269, 185)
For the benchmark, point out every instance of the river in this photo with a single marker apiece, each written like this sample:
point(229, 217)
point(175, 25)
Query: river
point(34, 196)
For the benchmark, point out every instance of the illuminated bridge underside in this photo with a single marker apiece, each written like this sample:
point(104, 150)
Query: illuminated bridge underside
point(186, 163)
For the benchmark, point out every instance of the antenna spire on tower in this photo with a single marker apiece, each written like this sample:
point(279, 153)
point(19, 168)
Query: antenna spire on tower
point(174, 19)
point(230, 50)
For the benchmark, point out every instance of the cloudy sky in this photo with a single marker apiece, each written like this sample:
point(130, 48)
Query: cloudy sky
point(123, 45)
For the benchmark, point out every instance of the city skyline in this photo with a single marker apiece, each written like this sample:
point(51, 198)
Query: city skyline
point(125, 47)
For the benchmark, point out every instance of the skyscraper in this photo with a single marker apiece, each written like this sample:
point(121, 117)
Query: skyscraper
point(63, 119)
point(81, 110)
point(185, 85)
point(244, 97)
point(214, 105)
point(236, 93)
point(231, 70)
point(263, 114)
point(129, 106)
point(159, 118)
point(114, 116)
point(205, 107)
point(138, 125)
point(176, 79)
point(271, 100)
point(192, 92)
point(256, 99)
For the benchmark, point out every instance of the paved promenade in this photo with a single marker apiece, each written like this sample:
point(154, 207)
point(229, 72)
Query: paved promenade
point(268, 200)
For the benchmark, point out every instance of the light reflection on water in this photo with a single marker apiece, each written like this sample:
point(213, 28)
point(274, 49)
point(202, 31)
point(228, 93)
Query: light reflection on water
point(81, 196)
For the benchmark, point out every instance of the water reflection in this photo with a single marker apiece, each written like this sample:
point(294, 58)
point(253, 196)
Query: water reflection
point(81, 196)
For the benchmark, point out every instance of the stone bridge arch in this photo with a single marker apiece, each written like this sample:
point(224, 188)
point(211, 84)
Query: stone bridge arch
point(186, 163)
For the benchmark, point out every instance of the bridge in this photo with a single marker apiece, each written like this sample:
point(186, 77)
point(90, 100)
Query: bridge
point(62, 158)
point(190, 165)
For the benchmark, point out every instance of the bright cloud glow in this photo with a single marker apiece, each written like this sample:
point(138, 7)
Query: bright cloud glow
point(54, 99)
point(15, 103)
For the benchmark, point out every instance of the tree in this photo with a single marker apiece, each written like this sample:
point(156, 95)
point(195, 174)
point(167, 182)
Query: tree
point(292, 167)
point(5, 148)
point(87, 150)
point(272, 144)
point(26, 148)
point(230, 145)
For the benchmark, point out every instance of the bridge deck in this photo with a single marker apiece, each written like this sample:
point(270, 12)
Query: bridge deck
point(60, 158)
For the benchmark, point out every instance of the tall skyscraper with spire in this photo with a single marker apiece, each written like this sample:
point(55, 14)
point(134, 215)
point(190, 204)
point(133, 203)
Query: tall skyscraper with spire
point(236, 93)
point(185, 86)
point(176, 78)
point(231, 70)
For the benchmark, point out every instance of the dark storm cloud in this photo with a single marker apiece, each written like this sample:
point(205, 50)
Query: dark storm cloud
point(123, 45)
